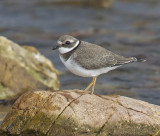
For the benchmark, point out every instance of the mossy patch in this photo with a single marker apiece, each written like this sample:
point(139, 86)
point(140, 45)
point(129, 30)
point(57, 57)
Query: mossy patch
point(23, 69)
point(5, 92)
point(31, 115)
point(128, 128)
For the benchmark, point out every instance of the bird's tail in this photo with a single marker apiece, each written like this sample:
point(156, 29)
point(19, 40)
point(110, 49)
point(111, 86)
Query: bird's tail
point(138, 59)
point(123, 60)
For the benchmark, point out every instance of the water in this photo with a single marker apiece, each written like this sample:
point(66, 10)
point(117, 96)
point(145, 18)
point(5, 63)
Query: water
point(130, 28)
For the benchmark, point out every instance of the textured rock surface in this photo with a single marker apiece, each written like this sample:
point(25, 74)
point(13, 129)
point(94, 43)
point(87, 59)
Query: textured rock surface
point(75, 113)
point(91, 3)
point(22, 69)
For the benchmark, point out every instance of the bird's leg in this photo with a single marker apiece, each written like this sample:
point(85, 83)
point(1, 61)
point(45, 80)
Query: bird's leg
point(94, 82)
point(89, 86)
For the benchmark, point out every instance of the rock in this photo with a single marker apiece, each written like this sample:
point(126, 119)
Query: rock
point(22, 69)
point(3, 111)
point(100, 3)
point(88, 3)
point(75, 113)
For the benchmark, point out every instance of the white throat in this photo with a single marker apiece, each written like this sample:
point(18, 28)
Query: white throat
point(63, 50)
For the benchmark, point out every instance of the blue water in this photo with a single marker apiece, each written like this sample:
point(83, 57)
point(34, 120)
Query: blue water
point(130, 28)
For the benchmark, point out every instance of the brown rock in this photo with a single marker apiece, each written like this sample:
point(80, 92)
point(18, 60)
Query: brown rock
point(22, 69)
point(75, 113)
point(87, 3)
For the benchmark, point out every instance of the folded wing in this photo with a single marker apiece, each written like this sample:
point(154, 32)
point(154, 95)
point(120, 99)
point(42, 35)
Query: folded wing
point(94, 57)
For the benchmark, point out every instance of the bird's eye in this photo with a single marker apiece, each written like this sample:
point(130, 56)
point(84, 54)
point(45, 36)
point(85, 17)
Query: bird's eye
point(67, 42)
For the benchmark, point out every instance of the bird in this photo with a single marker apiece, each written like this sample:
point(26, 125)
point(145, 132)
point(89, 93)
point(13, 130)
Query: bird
point(89, 60)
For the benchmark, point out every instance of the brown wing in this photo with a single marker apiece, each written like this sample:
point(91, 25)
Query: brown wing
point(91, 56)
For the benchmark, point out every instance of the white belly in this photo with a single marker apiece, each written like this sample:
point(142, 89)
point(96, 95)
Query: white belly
point(80, 71)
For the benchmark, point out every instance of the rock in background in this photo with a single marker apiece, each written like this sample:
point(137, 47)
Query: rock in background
point(76, 113)
point(87, 3)
point(22, 69)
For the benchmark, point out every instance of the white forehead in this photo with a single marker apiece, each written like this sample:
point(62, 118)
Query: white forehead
point(59, 42)
point(70, 40)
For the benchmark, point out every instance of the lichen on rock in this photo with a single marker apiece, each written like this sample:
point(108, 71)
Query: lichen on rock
point(75, 112)
point(22, 69)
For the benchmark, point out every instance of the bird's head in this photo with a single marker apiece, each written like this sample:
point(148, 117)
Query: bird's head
point(66, 43)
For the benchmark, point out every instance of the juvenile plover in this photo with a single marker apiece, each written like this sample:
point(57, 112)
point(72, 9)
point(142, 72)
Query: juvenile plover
point(87, 59)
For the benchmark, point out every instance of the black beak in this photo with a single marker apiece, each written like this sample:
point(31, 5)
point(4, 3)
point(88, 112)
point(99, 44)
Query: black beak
point(55, 48)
